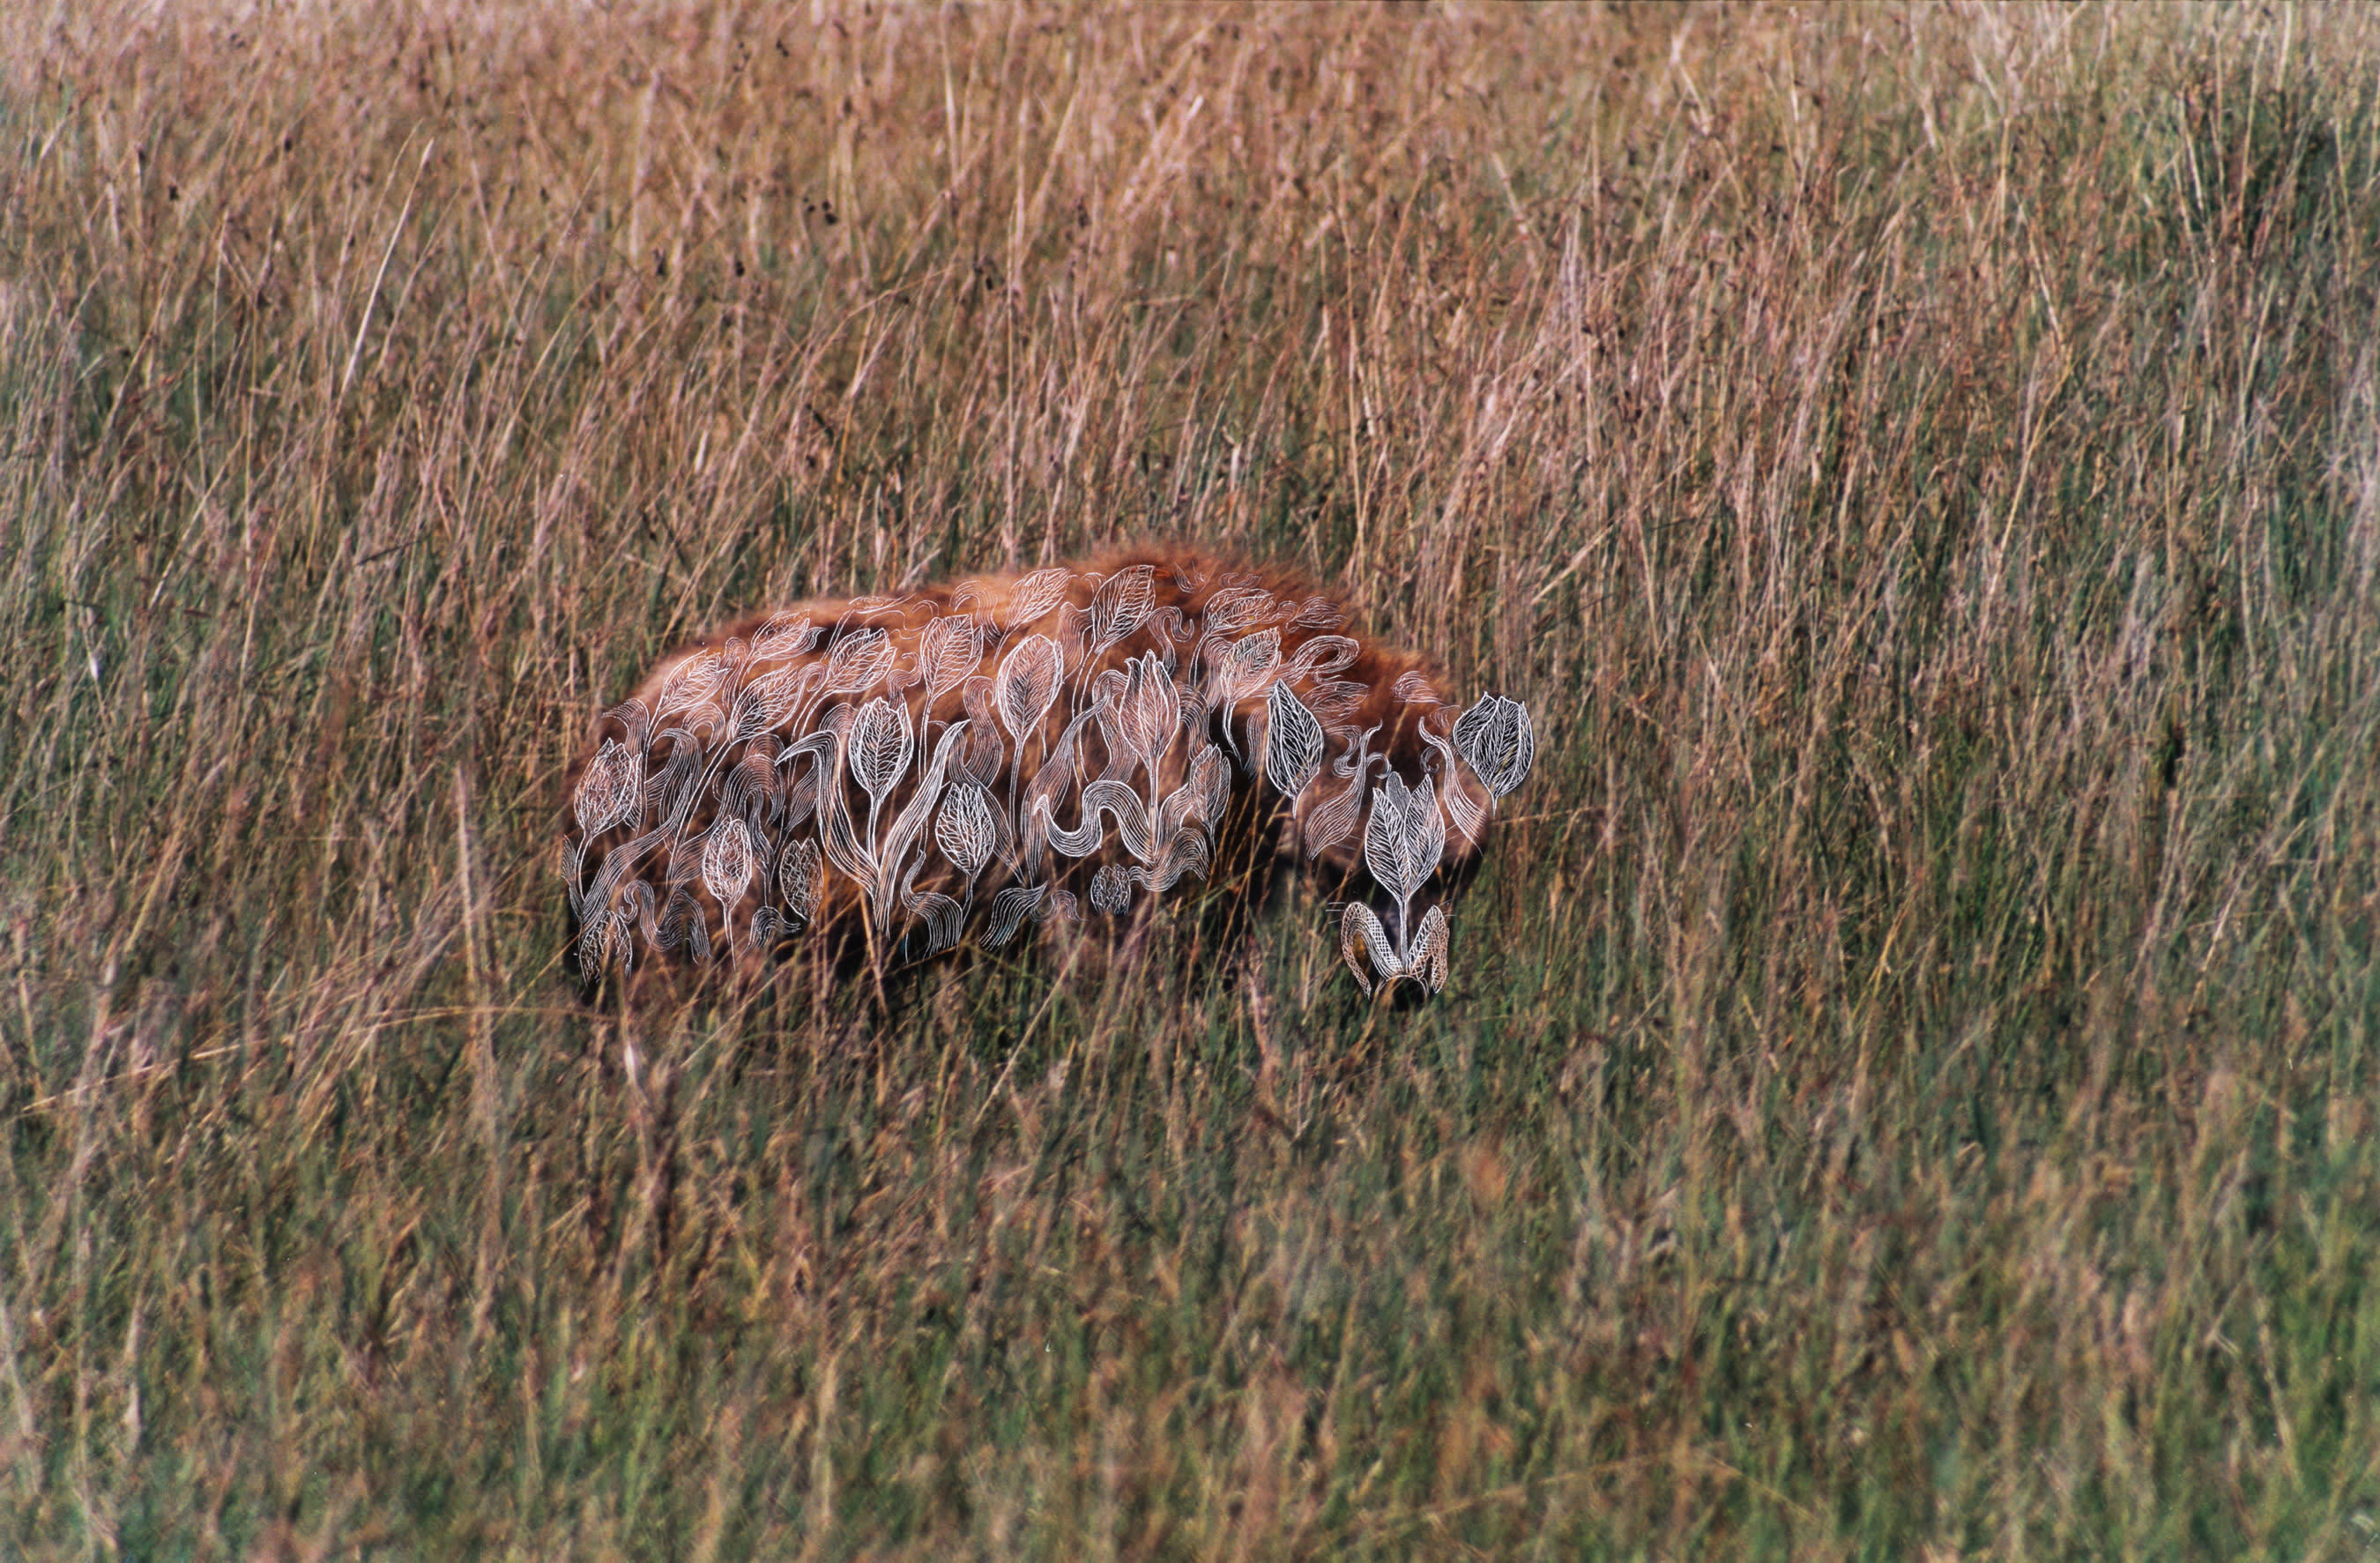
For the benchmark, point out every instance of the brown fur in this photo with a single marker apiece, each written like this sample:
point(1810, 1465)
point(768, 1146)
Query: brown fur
point(710, 720)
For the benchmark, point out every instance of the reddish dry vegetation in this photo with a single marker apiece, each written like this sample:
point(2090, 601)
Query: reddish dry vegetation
point(904, 774)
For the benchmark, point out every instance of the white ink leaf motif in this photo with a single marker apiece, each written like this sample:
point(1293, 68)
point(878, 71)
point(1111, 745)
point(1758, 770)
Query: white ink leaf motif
point(857, 661)
point(692, 682)
point(945, 920)
point(1122, 603)
point(749, 788)
point(770, 699)
point(595, 944)
point(784, 634)
point(1292, 743)
point(1247, 665)
point(1470, 819)
point(893, 850)
point(1404, 837)
point(1198, 802)
point(1150, 709)
point(1236, 608)
point(1427, 960)
point(798, 880)
point(799, 799)
point(1362, 940)
point(611, 791)
point(1318, 614)
point(1009, 910)
point(727, 860)
point(1099, 798)
point(1333, 819)
point(1027, 684)
point(1180, 840)
point(1110, 890)
point(965, 830)
point(1412, 685)
point(1073, 624)
point(822, 788)
point(1035, 596)
point(1495, 736)
point(1325, 656)
point(632, 714)
point(1336, 699)
point(976, 695)
point(946, 653)
point(682, 923)
point(673, 791)
point(881, 742)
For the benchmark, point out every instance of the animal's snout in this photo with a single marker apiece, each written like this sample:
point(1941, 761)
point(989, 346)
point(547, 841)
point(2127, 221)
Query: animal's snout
point(1387, 940)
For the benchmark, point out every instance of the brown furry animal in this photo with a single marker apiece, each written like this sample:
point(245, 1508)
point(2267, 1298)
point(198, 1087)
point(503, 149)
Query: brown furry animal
point(908, 773)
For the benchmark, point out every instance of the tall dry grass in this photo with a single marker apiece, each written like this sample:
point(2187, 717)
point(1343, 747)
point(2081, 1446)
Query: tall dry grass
point(1909, 1093)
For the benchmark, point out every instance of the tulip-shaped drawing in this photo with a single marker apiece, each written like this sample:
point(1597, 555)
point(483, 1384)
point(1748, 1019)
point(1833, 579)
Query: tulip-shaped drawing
point(1403, 843)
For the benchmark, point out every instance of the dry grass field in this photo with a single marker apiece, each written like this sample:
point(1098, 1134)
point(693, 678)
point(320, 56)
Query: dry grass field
point(1908, 1090)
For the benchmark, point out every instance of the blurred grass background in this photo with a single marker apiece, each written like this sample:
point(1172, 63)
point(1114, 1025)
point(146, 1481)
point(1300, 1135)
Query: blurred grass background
point(1909, 1087)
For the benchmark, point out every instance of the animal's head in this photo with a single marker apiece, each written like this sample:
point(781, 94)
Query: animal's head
point(1394, 807)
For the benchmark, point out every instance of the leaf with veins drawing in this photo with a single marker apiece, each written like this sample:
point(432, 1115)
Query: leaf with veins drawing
point(1404, 837)
point(966, 830)
point(798, 880)
point(611, 791)
point(881, 742)
point(727, 860)
point(1236, 608)
point(1250, 660)
point(1120, 604)
point(1318, 614)
point(1009, 910)
point(1469, 819)
point(1027, 684)
point(1034, 596)
point(1496, 740)
point(638, 718)
point(1325, 656)
point(1150, 709)
point(694, 680)
point(769, 699)
point(1110, 890)
point(1293, 742)
point(858, 660)
point(784, 634)
point(946, 653)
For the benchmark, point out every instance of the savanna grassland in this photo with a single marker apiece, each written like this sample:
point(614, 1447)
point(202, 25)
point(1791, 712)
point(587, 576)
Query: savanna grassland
point(1908, 1085)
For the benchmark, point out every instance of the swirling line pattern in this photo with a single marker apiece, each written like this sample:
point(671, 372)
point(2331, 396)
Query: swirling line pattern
point(952, 765)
